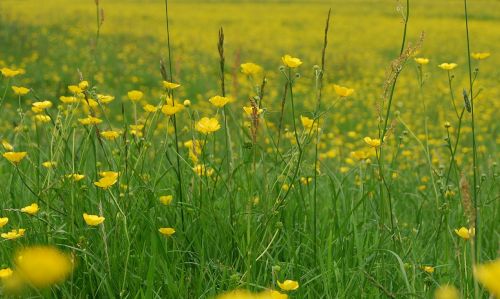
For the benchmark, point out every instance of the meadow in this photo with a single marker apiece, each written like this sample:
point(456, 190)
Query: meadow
point(249, 149)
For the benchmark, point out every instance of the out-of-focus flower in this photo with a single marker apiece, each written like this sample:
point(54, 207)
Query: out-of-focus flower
point(42, 266)
point(447, 66)
point(166, 199)
point(250, 68)
point(20, 91)
point(480, 55)
point(170, 85)
point(488, 275)
point(342, 91)
point(446, 292)
point(421, 60)
point(135, 95)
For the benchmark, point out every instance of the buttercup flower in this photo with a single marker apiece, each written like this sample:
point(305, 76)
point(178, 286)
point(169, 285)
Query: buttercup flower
point(90, 120)
point(170, 85)
point(480, 55)
point(165, 199)
point(3, 221)
point(428, 269)
point(42, 266)
point(207, 125)
point(291, 62)
point(488, 275)
point(5, 273)
point(219, 101)
point(446, 292)
point(110, 135)
point(135, 95)
point(465, 233)
point(250, 68)
point(14, 157)
point(108, 179)
point(167, 231)
point(31, 209)
point(372, 142)
point(20, 91)
point(13, 234)
point(342, 91)
point(93, 220)
point(422, 61)
point(288, 285)
point(8, 73)
point(447, 66)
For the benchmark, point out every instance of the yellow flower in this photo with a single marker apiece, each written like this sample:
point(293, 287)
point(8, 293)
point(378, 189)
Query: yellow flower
point(110, 135)
point(288, 285)
point(8, 73)
point(428, 269)
point(75, 89)
point(249, 110)
point(421, 60)
point(14, 157)
point(291, 62)
point(7, 146)
point(75, 177)
point(90, 120)
point(168, 109)
point(42, 118)
point(244, 294)
point(49, 164)
point(186, 103)
point(20, 91)
point(150, 108)
point(93, 220)
point(170, 85)
point(105, 99)
point(135, 95)
point(480, 55)
point(203, 170)
point(3, 221)
point(108, 179)
point(342, 91)
point(219, 101)
point(41, 266)
point(13, 234)
point(31, 209)
point(446, 292)
point(207, 125)
point(465, 233)
point(488, 275)
point(250, 68)
point(165, 199)
point(5, 273)
point(83, 85)
point(372, 142)
point(307, 122)
point(167, 231)
point(38, 107)
point(447, 66)
point(68, 100)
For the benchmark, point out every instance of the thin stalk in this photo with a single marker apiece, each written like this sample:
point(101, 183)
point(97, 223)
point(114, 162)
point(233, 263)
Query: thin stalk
point(474, 152)
point(174, 120)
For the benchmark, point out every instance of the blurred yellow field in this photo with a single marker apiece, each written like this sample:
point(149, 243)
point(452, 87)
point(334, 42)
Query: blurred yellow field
point(225, 156)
